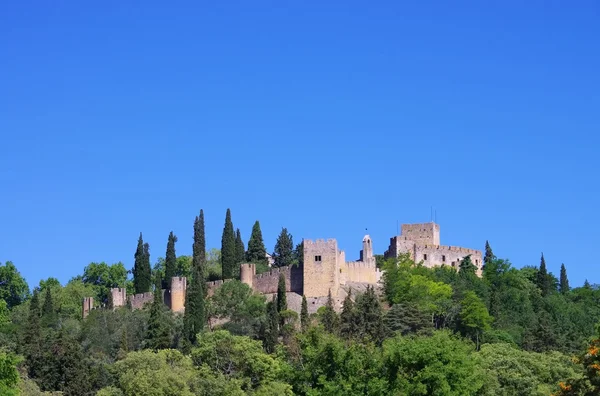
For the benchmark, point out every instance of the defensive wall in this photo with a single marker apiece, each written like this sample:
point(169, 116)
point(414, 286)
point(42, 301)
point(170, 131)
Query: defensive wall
point(267, 282)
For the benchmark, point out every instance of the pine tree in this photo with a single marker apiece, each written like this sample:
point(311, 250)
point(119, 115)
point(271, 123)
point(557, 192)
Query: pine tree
point(158, 334)
point(406, 318)
point(170, 261)
point(199, 247)
point(348, 318)
point(299, 254)
point(466, 266)
point(304, 314)
point(240, 249)
point(564, 281)
point(272, 326)
point(142, 273)
point(228, 248)
point(370, 316)
point(330, 319)
point(281, 297)
point(256, 248)
point(284, 249)
point(489, 255)
point(542, 279)
point(587, 285)
point(49, 314)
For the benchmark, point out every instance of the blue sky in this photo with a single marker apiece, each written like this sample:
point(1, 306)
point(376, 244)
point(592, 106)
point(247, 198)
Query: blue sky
point(323, 117)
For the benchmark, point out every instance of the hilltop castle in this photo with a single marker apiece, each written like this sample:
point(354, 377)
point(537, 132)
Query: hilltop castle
point(422, 242)
point(324, 269)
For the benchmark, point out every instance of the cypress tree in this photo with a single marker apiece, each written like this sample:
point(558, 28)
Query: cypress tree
point(281, 297)
point(256, 248)
point(489, 255)
point(542, 279)
point(199, 246)
point(284, 249)
point(587, 285)
point(330, 318)
point(240, 249)
point(170, 261)
point(194, 315)
point(49, 316)
point(228, 248)
point(272, 326)
point(564, 281)
point(299, 254)
point(348, 318)
point(158, 334)
point(304, 314)
point(142, 273)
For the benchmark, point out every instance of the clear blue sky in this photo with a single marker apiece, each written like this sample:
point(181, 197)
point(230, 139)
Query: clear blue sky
point(324, 117)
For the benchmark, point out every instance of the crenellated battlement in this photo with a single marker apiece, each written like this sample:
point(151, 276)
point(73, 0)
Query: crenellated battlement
point(320, 242)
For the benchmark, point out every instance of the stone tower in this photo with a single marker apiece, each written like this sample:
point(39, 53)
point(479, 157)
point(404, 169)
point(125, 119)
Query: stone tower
point(366, 254)
point(178, 287)
point(247, 272)
point(322, 267)
point(88, 305)
point(119, 297)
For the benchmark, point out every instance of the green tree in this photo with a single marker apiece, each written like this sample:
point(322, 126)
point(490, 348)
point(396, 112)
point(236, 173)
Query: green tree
point(370, 316)
point(32, 337)
point(170, 261)
point(564, 281)
point(199, 247)
point(406, 318)
point(240, 249)
point(542, 280)
point(466, 266)
point(304, 314)
point(349, 320)
point(49, 314)
point(474, 316)
point(9, 376)
point(13, 287)
point(271, 332)
point(102, 277)
point(228, 258)
point(489, 255)
point(256, 248)
point(299, 254)
point(330, 318)
point(142, 272)
point(281, 297)
point(284, 249)
point(158, 334)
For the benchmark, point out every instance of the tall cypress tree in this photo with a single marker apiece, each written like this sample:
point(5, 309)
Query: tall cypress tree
point(33, 336)
point(542, 280)
point(284, 249)
point(199, 246)
point(194, 315)
point(272, 326)
point(304, 314)
point(299, 254)
point(564, 281)
point(370, 314)
point(240, 249)
point(228, 248)
point(256, 247)
point(281, 297)
point(170, 261)
point(489, 255)
point(142, 273)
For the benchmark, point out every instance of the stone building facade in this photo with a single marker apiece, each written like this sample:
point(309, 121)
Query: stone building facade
point(422, 242)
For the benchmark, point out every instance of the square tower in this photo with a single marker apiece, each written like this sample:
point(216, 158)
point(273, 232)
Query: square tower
point(422, 234)
point(322, 266)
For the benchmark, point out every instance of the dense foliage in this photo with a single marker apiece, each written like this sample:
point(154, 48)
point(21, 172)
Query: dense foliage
point(425, 331)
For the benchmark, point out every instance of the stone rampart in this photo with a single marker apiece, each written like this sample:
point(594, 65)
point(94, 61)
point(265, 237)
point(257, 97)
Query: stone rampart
point(88, 305)
point(358, 271)
point(139, 300)
point(267, 282)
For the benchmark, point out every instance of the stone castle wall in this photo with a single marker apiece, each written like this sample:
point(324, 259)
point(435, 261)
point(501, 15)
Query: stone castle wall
point(433, 256)
point(358, 271)
point(138, 301)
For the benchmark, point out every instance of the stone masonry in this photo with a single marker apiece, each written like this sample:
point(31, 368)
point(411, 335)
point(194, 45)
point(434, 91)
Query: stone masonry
point(422, 242)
